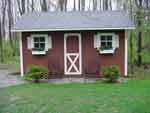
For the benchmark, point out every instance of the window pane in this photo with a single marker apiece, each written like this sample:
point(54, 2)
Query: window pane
point(103, 44)
point(42, 39)
point(103, 38)
point(42, 45)
point(109, 38)
point(36, 39)
point(36, 45)
point(109, 44)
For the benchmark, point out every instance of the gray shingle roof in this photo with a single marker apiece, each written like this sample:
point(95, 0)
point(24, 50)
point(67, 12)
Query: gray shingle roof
point(59, 21)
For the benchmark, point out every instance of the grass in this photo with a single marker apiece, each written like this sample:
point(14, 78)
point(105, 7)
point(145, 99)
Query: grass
point(130, 97)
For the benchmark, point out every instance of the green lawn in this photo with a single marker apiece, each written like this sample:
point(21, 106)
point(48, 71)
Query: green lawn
point(130, 97)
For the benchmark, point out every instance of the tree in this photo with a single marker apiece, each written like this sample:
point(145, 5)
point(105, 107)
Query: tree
point(81, 5)
point(3, 30)
point(65, 5)
point(74, 5)
point(94, 5)
point(2, 27)
point(62, 5)
point(53, 5)
point(139, 24)
point(21, 6)
point(1, 43)
point(32, 5)
point(105, 4)
point(10, 21)
point(147, 3)
point(110, 4)
point(131, 37)
point(43, 4)
point(100, 2)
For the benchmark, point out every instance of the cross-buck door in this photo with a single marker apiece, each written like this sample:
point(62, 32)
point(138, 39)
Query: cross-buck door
point(72, 53)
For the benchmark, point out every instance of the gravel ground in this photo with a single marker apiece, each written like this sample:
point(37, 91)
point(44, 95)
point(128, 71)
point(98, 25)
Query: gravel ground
point(8, 79)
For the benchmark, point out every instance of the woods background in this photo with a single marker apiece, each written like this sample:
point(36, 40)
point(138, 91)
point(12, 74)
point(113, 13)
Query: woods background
point(138, 10)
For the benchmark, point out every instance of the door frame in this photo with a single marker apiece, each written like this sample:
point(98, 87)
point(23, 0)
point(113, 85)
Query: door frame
point(66, 35)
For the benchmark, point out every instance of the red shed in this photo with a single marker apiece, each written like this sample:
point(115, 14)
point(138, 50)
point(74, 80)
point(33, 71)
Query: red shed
point(74, 44)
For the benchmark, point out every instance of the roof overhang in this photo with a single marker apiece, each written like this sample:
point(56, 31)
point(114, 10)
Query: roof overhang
point(72, 29)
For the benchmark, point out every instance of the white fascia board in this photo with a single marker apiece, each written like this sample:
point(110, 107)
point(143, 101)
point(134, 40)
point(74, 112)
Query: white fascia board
point(72, 29)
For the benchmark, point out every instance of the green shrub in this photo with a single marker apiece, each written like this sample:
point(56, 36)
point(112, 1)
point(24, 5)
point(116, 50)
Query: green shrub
point(111, 73)
point(10, 53)
point(35, 73)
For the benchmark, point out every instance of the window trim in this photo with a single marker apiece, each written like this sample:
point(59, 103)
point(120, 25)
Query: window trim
point(36, 52)
point(111, 51)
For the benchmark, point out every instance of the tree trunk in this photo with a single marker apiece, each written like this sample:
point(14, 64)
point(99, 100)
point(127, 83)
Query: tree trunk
point(1, 44)
point(147, 3)
point(61, 5)
point(10, 22)
point(100, 7)
point(131, 38)
point(4, 4)
point(105, 5)
point(74, 5)
point(139, 50)
point(21, 6)
point(65, 5)
point(110, 4)
point(32, 5)
point(43, 4)
point(131, 51)
point(94, 5)
point(79, 5)
point(28, 6)
point(82, 5)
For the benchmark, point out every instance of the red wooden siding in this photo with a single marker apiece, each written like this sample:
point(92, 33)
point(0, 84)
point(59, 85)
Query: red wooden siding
point(92, 60)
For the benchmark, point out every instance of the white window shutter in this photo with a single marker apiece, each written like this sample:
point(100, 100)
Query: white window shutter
point(48, 43)
point(114, 41)
point(117, 41)
point(32, 42)
point(29, 42)
point(96, 42)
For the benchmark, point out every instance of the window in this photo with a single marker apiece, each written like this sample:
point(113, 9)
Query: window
point(39, 43)
point(106, 42)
